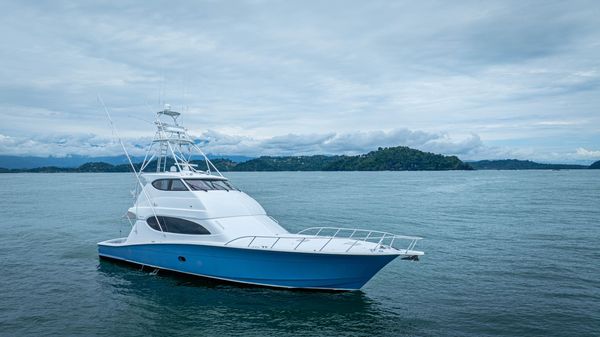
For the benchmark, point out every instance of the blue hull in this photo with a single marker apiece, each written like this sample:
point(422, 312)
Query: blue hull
point(252, 266)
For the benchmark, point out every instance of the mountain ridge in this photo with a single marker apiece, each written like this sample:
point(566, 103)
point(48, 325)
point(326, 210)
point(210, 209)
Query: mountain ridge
point(516, 164)
point(74, 161)
point(400, 158)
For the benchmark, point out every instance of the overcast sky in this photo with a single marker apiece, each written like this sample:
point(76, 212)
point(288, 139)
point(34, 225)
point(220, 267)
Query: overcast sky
point(480, 79)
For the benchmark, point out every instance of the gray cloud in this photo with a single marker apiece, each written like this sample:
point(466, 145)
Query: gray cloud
point(308, 76)
point(221, 144)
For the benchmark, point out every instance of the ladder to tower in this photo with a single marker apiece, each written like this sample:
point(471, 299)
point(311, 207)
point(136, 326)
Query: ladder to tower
point(163, 154)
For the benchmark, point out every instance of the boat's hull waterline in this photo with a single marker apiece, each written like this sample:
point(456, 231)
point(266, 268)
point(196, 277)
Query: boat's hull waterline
point(254, 266)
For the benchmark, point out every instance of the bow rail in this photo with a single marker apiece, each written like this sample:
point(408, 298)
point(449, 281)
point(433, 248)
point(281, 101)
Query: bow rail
point(344, 239)
point(378, 237)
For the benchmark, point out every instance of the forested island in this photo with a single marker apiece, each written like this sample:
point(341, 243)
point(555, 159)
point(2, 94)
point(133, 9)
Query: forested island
point(515, 164)
point(399, 158)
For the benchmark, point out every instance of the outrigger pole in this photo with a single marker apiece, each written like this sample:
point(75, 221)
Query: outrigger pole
point(137, 177)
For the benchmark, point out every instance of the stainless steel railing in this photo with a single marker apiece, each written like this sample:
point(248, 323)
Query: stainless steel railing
point(329, 234)
point(369, 236)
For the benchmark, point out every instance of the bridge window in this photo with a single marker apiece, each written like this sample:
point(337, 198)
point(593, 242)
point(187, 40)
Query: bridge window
point(177, 185)
point(162, 184)
point(169, 185)
point(209, 185)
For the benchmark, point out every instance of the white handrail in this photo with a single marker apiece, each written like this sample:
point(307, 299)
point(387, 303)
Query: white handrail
point(381, 238)
point(320, 229)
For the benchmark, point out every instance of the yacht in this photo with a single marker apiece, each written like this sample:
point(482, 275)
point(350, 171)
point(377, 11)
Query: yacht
point(188, 218)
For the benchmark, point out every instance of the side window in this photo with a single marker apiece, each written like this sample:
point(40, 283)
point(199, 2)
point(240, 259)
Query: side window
point(169, 185)
point(198, 185)
point(230, 186)
point(153, 223)
point(209, 185)
point(177, 185)
point(176, 225)
point(161, 184)
point(220, 185)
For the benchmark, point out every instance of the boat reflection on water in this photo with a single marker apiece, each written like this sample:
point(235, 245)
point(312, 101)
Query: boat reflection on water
point(187, 305)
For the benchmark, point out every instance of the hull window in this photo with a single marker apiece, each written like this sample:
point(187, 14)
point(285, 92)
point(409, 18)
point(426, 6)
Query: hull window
point(176, 225)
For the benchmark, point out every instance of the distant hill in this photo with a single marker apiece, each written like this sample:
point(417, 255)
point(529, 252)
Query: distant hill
point(293, 163)
point(399, 158)
point(515, 164)
point(29, 162)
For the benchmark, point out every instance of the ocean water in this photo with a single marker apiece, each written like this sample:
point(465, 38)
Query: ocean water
point(508, 253)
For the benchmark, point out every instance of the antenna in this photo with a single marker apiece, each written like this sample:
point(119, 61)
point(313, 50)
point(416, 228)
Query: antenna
point(116, 134)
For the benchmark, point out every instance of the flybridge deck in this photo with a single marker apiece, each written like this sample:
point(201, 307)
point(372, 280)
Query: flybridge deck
point(189, 218)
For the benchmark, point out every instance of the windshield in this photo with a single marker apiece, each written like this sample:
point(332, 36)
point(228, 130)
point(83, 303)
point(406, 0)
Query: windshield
point(209, 185)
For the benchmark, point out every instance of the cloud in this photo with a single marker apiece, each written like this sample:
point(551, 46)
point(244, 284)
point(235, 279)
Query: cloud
point(295, 77)
point(509, 33)
point(67, 144)
point(466, 147)
point(338, 143)
point(219, 143)
point(558, 123)
point(585, 153)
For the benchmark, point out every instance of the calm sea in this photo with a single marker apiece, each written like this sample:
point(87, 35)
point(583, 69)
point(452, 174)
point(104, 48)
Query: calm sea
point(507, 254)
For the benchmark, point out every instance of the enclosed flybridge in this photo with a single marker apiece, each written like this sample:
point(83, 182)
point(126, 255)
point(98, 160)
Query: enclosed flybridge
point(189, 218)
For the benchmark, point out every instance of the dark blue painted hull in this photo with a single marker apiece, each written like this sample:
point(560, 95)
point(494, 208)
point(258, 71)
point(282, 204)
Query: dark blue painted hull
point(261, 267)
